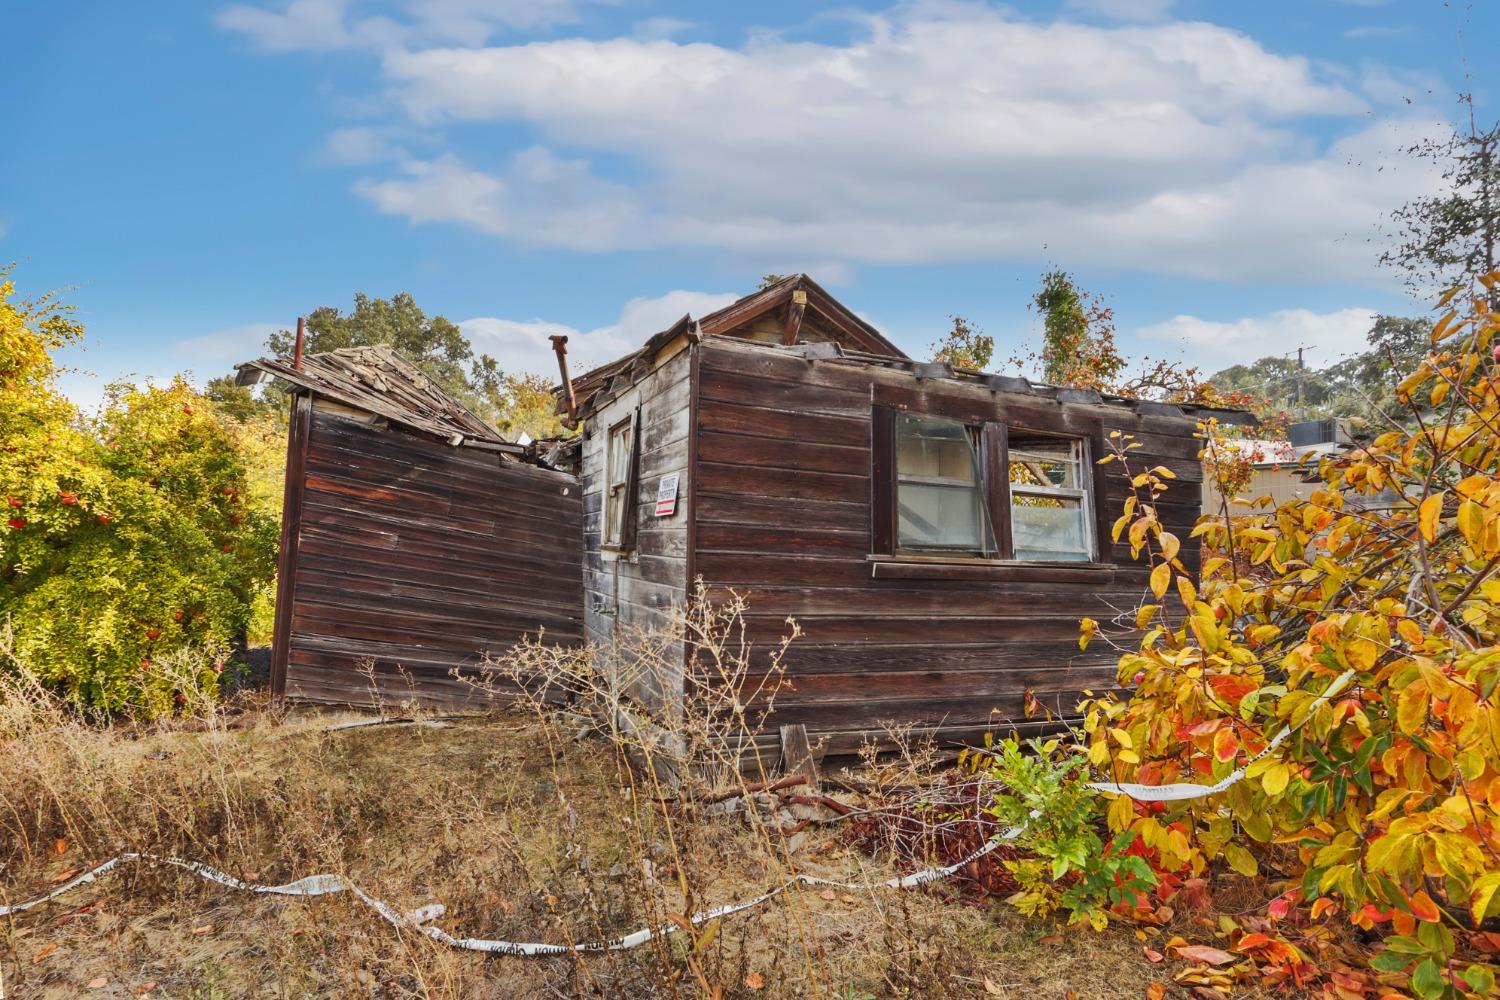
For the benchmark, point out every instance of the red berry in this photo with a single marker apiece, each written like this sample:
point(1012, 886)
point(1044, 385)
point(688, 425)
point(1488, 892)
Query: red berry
point(177, 616)
point(152, 633)
point(69, 499)
point(1140, 675)
point(17, 522)
point(145, 664)
point(187, 408)
point(218, 668)
point(103, 518)
point(228, 491)
point(14, 501)
point(228, 547)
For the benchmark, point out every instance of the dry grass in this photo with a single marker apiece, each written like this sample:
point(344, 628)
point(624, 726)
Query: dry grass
point(523, 830)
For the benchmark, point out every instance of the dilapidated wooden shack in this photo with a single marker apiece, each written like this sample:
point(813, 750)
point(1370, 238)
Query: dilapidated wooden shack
point(415, 538)
point(937, 534)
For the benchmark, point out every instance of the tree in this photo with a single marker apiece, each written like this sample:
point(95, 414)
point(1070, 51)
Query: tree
point(767, 280)
point(1452, 238)
point(127, 538)
point(1078, 338)
point(1364, 385)
point(964, 346)
point(1282, 384)
point(1363, 621)
point(433, 343)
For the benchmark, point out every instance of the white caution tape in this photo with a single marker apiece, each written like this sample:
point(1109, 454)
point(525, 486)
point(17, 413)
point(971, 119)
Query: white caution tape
point(421, 918)
point(1179, 792)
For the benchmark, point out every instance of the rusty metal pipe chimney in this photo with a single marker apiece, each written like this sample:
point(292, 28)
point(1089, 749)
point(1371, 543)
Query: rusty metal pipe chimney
point(560, 346)
point(297, 347)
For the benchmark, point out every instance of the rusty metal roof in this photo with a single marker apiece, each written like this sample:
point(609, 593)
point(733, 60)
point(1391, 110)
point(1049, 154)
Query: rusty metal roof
point(380, 381)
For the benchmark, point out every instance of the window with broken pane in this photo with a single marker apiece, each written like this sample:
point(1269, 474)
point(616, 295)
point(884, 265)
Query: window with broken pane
point(940, 487)
point(1049, 502)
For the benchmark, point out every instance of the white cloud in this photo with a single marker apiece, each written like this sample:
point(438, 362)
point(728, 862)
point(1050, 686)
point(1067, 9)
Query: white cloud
point(1126, 10)
point(361, 146)
point(1213, 345)
point(539, 199)
point(522, 345)
point(225, 347)
point(941, 133)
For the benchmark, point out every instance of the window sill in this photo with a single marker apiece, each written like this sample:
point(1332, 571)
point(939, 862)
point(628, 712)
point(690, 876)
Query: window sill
point(914, 567)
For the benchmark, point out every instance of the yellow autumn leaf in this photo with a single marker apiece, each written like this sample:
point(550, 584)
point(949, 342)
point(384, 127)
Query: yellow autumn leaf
point(1428, 514)
point(1145, 614)
point(1275, 780)
point(1086, 629)
point(1410, 631)
point(1187, 592)
point(1161, 576)
point(1411, 708)
point(1170, 545)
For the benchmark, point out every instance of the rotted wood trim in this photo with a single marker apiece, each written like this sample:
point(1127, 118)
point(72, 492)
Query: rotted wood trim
point(299, 430)
point(946, 568)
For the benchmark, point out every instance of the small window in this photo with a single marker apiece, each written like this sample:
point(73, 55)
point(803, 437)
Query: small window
point(617, 488)
point(1049, 501)
point(940, 487)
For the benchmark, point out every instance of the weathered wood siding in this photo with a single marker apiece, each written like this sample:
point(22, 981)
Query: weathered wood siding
point(413, 557)
point(783, 516)
point(639, 590)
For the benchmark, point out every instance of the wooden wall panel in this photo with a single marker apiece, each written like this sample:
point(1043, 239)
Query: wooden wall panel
point(783, 517)
point(413, 558)
point(639, 590)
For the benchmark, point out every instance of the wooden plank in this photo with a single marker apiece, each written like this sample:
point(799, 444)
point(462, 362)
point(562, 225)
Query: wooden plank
point(299, 430)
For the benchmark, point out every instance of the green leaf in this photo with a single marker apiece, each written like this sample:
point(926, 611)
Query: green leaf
point(1241, 860)
point(1427, 979)
point(1390, 961)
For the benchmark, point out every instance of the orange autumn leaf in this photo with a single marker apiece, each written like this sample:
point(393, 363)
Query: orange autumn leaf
point(1423, 908)
point(1226, 744)
point(44, 951)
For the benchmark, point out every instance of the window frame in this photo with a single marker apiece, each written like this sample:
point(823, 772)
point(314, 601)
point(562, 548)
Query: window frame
point(619, 529)
point(993, 431)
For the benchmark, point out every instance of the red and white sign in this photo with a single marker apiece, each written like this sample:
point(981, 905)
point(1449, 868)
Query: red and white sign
point(666, 496)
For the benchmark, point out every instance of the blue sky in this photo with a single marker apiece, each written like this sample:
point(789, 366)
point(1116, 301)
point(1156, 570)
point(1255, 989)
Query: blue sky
point(197, 173)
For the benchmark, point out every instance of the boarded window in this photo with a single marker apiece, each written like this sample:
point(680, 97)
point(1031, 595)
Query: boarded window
point(940, 487)
point(1049, 500)
point(618, 493)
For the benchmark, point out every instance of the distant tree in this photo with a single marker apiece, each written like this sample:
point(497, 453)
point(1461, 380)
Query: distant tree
point(1364, 386)
point(242, 403)
point(964, 346)
point(767, 280)
point(1281, 383)
point(517, 404)
point(433, 343)
point(1078, 335)
point(1453, 237)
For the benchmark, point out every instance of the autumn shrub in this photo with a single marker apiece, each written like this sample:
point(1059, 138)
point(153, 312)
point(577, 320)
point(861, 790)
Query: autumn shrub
point(128, 537)
point(1041, 789)
point(1383, 802)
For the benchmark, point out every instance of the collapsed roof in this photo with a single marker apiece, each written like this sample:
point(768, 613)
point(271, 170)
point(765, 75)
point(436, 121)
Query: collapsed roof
point(380, 381)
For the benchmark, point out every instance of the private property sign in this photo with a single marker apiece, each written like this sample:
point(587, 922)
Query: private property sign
point(666, 496)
